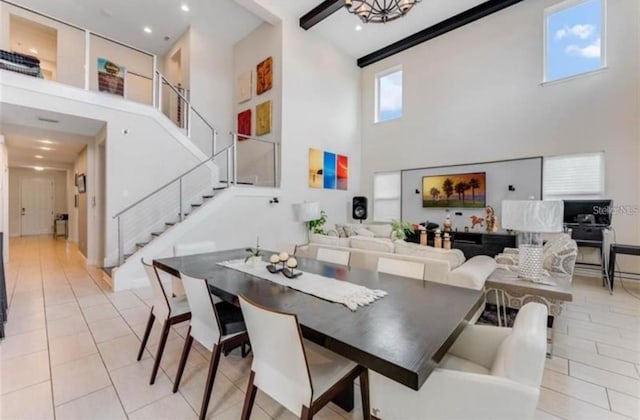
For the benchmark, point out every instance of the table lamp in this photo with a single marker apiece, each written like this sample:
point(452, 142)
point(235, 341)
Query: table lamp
point(306, 212)
point(531, 218)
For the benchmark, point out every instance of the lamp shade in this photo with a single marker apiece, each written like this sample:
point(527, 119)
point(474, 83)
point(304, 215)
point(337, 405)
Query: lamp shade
point(533, 215)
point(304, 212)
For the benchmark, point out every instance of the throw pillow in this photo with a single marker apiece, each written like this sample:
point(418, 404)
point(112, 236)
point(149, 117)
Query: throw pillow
point(340, 230)
point(348, 231)
point(381, 231)
point(560, 255)
point(364, 232)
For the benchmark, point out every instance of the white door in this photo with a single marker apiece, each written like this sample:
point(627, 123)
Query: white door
point(36, 206)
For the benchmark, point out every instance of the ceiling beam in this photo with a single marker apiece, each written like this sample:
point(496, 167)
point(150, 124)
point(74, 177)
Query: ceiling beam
point(461, 19)
point(320, 13)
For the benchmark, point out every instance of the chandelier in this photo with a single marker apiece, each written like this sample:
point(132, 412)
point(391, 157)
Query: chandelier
point(379, 11)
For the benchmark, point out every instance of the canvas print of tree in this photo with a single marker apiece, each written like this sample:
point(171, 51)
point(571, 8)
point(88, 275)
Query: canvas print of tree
point(456, 190)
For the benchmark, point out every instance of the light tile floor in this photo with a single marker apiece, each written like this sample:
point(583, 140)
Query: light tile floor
point(71, 346)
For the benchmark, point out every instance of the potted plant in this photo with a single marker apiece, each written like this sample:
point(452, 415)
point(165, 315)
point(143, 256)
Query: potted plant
point(255, 255)
point(315, 226)
point(400, 229)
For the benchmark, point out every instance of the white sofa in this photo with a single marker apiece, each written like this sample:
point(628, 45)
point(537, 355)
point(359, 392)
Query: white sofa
point(489, 373)
point(441, 266)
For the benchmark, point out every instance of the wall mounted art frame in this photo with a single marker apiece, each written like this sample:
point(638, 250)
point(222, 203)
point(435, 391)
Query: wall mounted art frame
point(263, 118)
point(244, 124)
point(328, 170)
point(264, 75)
point(243, 87)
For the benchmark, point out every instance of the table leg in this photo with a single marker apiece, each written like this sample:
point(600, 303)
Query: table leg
point(550, 333)
point(345, 399)
point(612, 268)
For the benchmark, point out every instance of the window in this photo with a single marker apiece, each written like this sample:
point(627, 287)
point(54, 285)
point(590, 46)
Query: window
point(386, 196)
point(388, 95)
point(574, 38)
point(573, 176)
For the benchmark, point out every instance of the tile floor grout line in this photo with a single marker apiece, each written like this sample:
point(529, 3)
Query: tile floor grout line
point(578, 398)
point(604, 386)
point(66, 275)
point(46, 331)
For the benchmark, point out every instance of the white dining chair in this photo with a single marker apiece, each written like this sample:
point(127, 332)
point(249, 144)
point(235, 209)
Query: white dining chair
point(189, 248)
point(412, 269)
point(334, 256)
point(216, 326)
point(168, 310)
point(300, 375)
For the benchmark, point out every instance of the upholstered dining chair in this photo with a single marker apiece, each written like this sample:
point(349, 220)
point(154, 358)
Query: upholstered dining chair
point(334, 256)
point(300, 375)
point(412, 269)
point(216, 326)
point(189, 248)
point(489, 373)
point(166, 309)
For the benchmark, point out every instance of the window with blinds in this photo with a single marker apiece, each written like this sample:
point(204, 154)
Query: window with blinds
point(573, 176)
point(386, 196)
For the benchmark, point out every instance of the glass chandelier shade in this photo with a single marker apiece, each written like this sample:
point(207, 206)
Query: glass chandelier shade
point(379, 11)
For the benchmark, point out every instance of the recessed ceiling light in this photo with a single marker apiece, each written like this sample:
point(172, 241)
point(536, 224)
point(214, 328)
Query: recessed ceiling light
point(358, 28)
point(33, 51)
point(38, 168)
point(45, 141)
point(45, 148)
point(185, 7)
point(147, 29)
point(39, 157)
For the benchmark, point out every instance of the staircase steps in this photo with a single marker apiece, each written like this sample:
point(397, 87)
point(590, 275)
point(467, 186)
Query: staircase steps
point(206, 197)
point(196, 205)
point(170, 223)
point(142, 244)
point(156, 234)
point(126, 256)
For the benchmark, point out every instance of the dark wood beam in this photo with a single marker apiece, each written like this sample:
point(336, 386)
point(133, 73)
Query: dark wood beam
point(320, 13)
point(461, 19)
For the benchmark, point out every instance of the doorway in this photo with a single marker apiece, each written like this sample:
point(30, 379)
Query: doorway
point(36, 206)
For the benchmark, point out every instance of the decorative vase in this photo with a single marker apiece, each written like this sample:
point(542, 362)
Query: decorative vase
point(254, 261)
point(437, 241)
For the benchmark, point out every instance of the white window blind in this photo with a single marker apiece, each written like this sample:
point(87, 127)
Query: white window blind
point(386, 196)
point(573, 176)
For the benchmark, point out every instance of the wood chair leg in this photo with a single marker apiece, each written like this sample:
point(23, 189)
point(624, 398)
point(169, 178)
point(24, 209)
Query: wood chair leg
point(249, 398)
point(364, 392)
point(183, 360)
point(306, 413)
point(145, 337)
point(163, 340)
point(208, 388)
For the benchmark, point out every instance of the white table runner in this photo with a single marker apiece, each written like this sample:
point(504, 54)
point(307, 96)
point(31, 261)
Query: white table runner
point(349, 294)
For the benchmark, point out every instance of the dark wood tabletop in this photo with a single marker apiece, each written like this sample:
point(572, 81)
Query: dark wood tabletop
point(402, 336)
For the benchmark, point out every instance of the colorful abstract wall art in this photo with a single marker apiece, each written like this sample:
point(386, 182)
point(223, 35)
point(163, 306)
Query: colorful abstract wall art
point(328, 170)
point(264, 75)
point(315, 168)
point(342, 169)
point(263, 118)
point(244, 124)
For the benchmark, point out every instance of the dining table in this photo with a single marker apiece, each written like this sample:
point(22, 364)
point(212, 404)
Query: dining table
point(402, 336)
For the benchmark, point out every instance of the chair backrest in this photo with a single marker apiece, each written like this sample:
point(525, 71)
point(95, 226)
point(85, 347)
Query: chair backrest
point(521, 356)
point(191, 248)
point(205, 324)
point(161, 307)
point(334, 256)
point(412, 269)
point(279, 361)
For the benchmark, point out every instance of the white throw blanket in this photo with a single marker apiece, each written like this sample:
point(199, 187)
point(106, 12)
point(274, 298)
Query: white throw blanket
point(349, 294)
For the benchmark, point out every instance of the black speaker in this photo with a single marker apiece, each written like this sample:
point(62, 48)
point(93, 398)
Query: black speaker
point(359, 208)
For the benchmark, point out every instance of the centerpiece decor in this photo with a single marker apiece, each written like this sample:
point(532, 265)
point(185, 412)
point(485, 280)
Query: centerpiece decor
point(255, 254)
point(283, 263)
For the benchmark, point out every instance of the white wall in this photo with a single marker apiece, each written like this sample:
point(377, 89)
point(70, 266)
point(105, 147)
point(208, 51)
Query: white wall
point(475, 95)
point(256, 159)
point(59, 179)
point(4, 196)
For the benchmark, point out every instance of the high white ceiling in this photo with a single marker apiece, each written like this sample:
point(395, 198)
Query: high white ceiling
point(339, 28)
point(124, 20)
point(58, 143)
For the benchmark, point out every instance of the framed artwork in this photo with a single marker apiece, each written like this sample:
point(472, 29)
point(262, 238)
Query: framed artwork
point(315, 168)
point(342, 172)
point(81, 182)
point(111, 77)
point(244, 124)
point(454, 190)
point(243, 87)
point(263, 118)
point(264, 76)
point(329, 170)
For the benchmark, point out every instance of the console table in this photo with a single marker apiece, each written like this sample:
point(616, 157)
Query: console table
point(473, 243)
point(619, 249)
